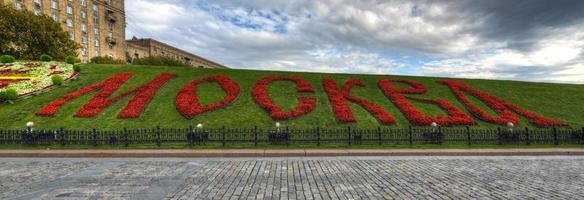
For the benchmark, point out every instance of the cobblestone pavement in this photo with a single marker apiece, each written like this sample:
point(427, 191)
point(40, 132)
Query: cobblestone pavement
point(294, 178)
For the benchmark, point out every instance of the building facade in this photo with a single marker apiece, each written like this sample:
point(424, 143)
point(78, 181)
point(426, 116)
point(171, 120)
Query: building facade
point(144, 47)
point(98, 25)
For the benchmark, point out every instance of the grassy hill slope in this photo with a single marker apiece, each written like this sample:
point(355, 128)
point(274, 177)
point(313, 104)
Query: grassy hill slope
point(558, 101)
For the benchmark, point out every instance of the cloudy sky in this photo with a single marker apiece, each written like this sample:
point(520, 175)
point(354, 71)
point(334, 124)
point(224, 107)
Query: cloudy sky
point(532, 40)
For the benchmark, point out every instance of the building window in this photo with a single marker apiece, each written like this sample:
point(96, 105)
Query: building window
point(84, 39)
point(18, 5)
point(84, 51)
point(71, 35)
point(54, 4)
point(95, 8)
point(84, 27)
point(69, 22)
point(55, 17)
point(83, 15)
point(95, 53)
point(108, 2)
point(69, 10)
point(96, 43)
point(82, 2)
point(110, 26)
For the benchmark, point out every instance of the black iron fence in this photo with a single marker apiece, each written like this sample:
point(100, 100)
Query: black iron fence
point(287, 136)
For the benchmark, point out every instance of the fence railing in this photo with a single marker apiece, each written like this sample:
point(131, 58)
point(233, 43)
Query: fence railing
point(287, 136)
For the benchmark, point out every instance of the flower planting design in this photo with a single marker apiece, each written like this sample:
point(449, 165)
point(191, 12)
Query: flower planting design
point(504, 109)
point(262, 98)
point(187, 101)
point(188, 104)
point(143, 96)
point(339, 100)
point(31, 77)
point(397, 95)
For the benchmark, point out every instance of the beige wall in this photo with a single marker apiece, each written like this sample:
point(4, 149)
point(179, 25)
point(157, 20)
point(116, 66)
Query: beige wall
point(156, 48)
point(105, 41)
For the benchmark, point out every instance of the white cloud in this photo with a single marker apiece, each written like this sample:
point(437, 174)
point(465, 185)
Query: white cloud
point(365, 37)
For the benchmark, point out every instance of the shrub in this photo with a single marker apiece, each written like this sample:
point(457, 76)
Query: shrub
point(77, 68)
point(71, 60)
point(106, 60)
point(57, 80)
point(46, 58)
point(158, 60)
point(8, 95)
point(7, 59)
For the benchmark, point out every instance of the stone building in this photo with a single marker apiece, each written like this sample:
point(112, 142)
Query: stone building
point(144, 47)
point(98, 25)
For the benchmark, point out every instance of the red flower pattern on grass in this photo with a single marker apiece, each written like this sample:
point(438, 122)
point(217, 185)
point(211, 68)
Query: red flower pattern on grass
point(187, 101)
point(143, 96)
point(504, 109)
point(339, 100)
point(455, 115)
point(262, 98)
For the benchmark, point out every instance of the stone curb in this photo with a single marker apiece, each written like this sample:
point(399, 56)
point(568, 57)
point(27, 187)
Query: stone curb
point(285, 153)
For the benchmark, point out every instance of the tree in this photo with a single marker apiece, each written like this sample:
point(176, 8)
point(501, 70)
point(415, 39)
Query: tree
point(27, 36)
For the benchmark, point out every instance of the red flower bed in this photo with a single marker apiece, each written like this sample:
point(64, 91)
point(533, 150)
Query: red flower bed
point(504, 108)
point(262, 98)
point(187, 101)
point(100, 101)
point(339, 100)
point(455, 115)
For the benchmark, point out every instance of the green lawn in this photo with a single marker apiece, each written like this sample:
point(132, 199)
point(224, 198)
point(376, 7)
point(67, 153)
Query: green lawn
point(558, 101)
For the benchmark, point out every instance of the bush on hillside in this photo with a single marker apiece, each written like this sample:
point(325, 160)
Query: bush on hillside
point(7, 59)
point(77, 68)
point(71, 60)
point(8, 95)
point(26, 36)
point(46, 58)
point(57, 80)
point(158, 60)
point(106, 60)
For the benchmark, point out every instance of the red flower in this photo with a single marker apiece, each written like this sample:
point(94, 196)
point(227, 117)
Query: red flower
point(262, 98)
point(503, 108)
point(187, 101)
point(339, 100)
point(100, 101)
point(455, 115)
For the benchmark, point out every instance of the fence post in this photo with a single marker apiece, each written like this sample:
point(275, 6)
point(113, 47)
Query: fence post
point(158, 140)
point(318, 135)
point(287, 133)
point(379, 135)
point(499, 137)
point(62, 134)
point(410, 135)
point(555, 130)
point(126, 142)
point(349, 132)
point(468, 135)
point(1, 136)
point(255, 136)
point(190, 135)
point(94, 137)
point(223, 135)
point(582, 136)
point(526, 136)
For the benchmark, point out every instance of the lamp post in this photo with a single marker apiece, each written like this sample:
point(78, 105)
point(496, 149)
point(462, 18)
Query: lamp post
point(278, 126)
point(434, 127)
point(29, 127)
point(510, 126)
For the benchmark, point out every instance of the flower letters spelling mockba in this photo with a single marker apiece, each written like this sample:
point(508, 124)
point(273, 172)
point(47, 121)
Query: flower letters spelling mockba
point(187, 100)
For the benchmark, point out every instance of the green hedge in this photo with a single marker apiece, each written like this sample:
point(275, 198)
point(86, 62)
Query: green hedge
point(106, 60)
point(159, 61)
point(7, 59)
